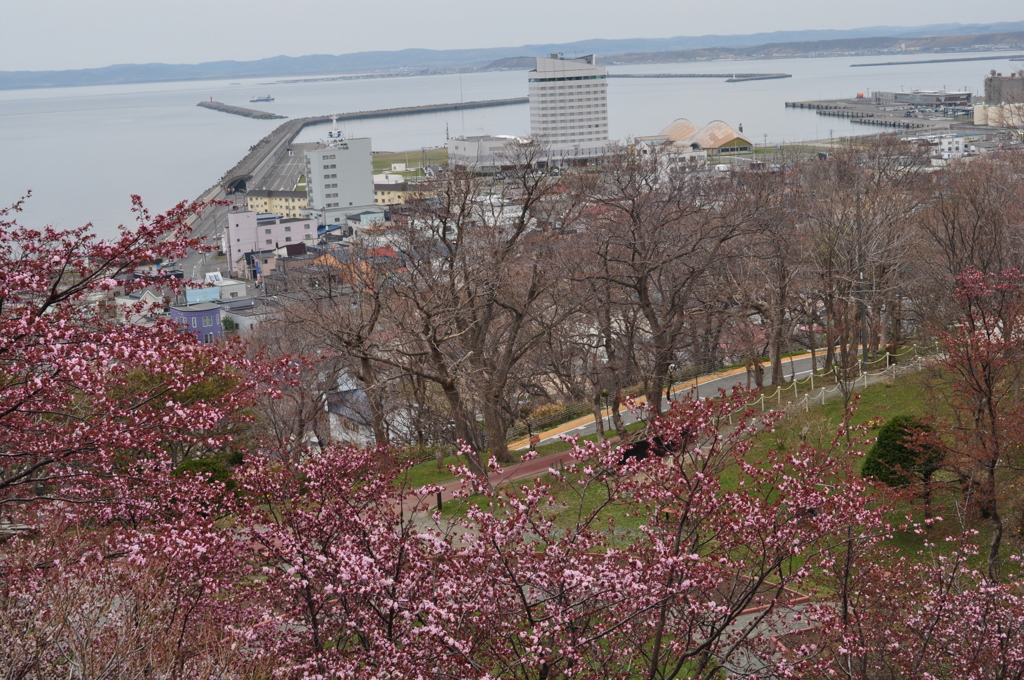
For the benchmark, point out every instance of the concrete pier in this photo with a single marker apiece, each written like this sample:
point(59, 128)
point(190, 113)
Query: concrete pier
point(239, 110)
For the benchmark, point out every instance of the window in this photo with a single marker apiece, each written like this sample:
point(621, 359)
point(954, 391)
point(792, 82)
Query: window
point(270, 242)
point(208, 338)
point(307, 227)
point(234, 295)
point(267, 231)
point(287, 239)
point(207, 321)
point(287, 228)
point(194, 324)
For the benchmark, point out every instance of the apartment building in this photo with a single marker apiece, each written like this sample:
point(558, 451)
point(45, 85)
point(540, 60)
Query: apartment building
point(248, 232)
point(283, 203)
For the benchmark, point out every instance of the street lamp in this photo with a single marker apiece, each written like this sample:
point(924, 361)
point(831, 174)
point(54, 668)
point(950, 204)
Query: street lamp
point(668, 387)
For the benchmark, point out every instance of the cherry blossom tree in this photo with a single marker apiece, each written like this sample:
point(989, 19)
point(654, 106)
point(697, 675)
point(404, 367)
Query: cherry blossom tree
point(84, 398)
point(982, 355)
point(110, 566)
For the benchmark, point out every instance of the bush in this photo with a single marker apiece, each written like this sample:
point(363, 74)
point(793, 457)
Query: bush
point(895, 460)
point(547, 411)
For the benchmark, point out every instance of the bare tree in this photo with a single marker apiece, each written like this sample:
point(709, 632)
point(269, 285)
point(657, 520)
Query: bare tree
point(658, 233)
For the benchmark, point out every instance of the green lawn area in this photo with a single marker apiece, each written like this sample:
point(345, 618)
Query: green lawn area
point(905, 396)
point(415, 158)
point(916, 393)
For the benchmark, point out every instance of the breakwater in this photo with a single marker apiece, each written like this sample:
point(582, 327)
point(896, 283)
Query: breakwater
point(730, 77)
point(278, 140)
point(1011, 57)
point(427, 108)
point(239, 110)
point(742, 78)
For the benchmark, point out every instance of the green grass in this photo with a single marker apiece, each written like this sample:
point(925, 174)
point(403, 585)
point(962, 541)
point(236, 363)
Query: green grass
point(427, 473)
point(817, 425)
point(415, 158)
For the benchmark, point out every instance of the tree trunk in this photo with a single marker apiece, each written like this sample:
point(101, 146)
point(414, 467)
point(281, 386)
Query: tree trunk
point(464, 428)
point(654, 387)
point(380, 433)
point(775, 353)
point(497, 429)
point(595, 407)
point(993, 548)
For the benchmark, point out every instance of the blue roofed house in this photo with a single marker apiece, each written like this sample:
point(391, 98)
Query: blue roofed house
point(202, 320)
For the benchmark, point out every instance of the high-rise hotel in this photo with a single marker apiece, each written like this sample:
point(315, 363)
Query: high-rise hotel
point(569, 106)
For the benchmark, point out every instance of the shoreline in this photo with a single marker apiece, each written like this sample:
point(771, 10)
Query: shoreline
point(362, 74)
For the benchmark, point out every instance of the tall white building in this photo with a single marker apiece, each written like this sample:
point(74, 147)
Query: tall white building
point(569, 106)
point(339, 177)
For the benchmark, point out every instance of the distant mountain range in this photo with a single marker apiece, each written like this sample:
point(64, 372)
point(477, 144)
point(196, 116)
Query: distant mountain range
point(779, 43)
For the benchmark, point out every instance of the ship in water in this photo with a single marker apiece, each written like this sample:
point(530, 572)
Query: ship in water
point(268, 98)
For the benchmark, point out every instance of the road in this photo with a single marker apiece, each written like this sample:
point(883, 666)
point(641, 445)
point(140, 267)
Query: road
point(285, 170)
point(708, 387)
point(276, 171)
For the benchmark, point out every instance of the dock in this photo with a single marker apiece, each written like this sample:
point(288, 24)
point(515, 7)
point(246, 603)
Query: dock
point(239, 110)
point(864, 111)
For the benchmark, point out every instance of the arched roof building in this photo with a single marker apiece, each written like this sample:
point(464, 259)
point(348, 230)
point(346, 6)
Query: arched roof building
point(679, 130)
point(717, 137)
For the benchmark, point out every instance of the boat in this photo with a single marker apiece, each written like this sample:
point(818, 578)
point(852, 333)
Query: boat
point(268, 98)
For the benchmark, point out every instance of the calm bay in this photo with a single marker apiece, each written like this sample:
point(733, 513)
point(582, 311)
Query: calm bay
point(83, 151)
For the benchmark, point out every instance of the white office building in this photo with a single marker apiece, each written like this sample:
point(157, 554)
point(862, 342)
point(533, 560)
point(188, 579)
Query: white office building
point(569, 107)
point(484, 153)
point(339, 178)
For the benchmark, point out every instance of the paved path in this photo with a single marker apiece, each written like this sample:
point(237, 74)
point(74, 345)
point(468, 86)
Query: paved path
point(706, 386)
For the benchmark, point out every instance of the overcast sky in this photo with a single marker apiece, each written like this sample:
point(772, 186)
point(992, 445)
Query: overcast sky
point(66, 34)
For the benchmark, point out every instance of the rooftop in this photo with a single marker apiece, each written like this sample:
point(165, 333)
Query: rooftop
point(201, 307)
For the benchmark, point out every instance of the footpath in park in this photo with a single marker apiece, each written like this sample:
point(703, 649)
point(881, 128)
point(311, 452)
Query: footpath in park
point(888, 367)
